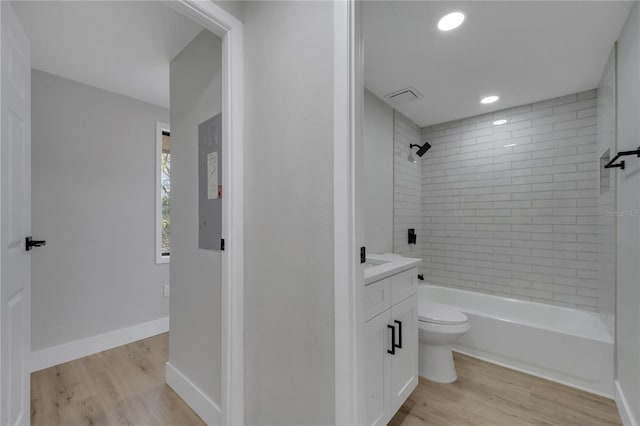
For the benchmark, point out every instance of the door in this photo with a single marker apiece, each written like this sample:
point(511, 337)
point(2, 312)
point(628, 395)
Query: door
point(15, 219)
point(404, 364)
point(377, 369)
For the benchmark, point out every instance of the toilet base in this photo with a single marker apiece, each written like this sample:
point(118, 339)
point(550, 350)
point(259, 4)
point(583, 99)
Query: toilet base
point(436, 363)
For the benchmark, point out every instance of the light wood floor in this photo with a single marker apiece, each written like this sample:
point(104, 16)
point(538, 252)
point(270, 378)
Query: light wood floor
point(489, 395)
point(121, 386)
point(125, 386)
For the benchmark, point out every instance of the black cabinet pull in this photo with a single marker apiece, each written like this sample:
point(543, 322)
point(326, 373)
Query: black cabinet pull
point(392, 351)
point(399, 345)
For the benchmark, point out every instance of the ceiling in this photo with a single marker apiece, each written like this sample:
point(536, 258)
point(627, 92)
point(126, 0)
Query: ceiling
point(522, 51)
point(123, 47)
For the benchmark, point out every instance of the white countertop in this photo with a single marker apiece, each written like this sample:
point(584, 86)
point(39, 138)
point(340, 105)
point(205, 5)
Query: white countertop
point(380, 266)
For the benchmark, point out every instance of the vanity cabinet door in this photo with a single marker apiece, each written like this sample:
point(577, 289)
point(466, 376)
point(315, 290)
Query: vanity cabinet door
point(404, 364)
point(377, 340)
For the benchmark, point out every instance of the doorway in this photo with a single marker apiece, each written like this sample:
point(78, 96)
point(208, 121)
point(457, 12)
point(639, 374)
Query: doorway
point(92, 158)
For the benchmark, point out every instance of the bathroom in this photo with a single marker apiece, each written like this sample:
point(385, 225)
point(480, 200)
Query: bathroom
point(494, 235)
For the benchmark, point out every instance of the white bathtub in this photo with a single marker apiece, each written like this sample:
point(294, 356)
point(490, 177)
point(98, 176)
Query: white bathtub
point(565, 345)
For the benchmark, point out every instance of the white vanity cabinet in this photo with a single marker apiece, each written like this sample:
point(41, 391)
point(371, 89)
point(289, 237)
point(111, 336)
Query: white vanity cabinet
point(390, 344)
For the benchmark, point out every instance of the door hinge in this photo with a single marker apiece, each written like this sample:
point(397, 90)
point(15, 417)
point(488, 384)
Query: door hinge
point(222, 244)
point(363, 255)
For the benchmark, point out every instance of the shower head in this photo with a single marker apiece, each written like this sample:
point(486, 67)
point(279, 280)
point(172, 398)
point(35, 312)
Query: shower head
point(423, 149)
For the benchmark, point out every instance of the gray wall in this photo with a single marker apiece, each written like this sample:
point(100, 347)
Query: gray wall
point(392, 197)
point(512, 209)
point(289, 316)
point(606, 142)
point(93, 198)
point(234, 7)
point(628, 244)
point(195, 338)
point(407, 188)
point(378, 174)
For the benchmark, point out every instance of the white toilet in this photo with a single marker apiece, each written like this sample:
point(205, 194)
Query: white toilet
point(439, 326)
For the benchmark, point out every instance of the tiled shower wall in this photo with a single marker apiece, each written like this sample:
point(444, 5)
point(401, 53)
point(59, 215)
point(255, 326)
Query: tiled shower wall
point(407, 191)
point(606, 143)
point(512, 209)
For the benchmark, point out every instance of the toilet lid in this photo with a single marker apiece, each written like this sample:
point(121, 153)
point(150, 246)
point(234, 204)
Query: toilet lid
point(438, 313)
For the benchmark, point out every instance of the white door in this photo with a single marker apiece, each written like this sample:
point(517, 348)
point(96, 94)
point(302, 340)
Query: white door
point(15, 219)
point(404, 364)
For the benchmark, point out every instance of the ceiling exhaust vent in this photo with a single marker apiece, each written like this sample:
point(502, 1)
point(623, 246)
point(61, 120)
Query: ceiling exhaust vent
point(403, 96)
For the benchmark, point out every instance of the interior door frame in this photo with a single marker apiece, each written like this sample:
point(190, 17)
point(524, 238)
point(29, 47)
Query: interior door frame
point(230, 29)
point(348, 105)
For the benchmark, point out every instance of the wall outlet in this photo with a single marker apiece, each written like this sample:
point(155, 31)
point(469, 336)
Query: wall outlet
point(166, 290)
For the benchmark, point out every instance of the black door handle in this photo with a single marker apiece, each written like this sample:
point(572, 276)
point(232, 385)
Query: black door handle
point(30, 243)
point(399, 345)
point(392, 351)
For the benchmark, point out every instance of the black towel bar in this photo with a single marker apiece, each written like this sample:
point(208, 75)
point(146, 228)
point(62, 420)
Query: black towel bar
point(610, 164)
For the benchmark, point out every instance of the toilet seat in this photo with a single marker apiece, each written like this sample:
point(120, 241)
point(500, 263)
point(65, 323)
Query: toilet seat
point(437, 313)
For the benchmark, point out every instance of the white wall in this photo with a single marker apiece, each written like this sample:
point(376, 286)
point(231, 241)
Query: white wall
point(378, 174)
point(515, 220)
point(289, 303)
point(407, 188)
point(93, 199)
point(195, 321)
point(628, 227)
point(606, 142)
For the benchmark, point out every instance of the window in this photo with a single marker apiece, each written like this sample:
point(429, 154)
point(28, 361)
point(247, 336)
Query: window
point(163, 192)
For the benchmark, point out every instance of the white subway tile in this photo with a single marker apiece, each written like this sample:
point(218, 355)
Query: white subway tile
point(520, 220)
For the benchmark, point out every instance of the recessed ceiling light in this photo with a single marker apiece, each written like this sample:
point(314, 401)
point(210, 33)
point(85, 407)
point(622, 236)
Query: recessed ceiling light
point(489, 99)
point(500, 122)
point(510, 145)
point(451, 21)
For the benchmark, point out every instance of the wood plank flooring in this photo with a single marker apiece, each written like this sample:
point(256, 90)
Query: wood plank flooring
point(125, 386)
point(121, 386)
point(490, 395)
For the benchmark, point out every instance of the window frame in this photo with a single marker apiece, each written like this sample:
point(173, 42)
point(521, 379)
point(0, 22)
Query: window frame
point(160, 129)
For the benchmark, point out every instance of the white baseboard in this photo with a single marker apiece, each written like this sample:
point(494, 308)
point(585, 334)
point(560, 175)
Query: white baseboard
point(623, 407)
point(193, 396)
point(55, 355)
